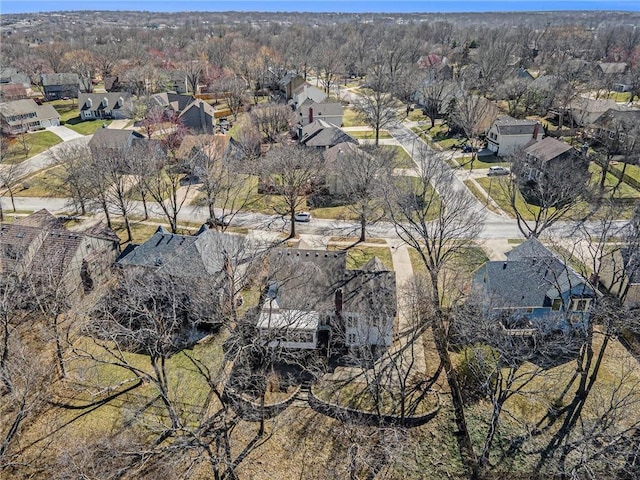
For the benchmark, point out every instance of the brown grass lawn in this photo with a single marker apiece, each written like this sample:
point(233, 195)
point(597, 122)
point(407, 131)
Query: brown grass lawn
point(45, 183)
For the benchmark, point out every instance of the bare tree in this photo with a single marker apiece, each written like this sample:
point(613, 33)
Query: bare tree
point(438, 219)
point(272, 121)
point(375, 105)
point(362, 173)
point(233, 90)
point(290, 172)
point(549, 194)
point(75, 160)
point(10, 172)
point(474, 115)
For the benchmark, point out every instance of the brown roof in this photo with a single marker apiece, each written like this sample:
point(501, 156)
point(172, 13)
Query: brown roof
point(547, 149)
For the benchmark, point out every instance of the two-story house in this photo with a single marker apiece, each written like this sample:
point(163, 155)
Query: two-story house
point(315, 302)
point(39, 248)
point(507, 135)
point(618, 131)
point(60, 85)
point(93, 106)
point(26, 115)
point(534, 291)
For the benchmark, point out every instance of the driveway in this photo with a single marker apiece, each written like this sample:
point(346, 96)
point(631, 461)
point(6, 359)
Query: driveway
point(118, 124)
point(64, 133)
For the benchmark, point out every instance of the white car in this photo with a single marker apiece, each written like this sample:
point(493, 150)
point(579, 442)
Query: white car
point(302, 217)
point(495, 171)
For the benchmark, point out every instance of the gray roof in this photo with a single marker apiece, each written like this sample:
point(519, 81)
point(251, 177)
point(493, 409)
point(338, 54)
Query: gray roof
point(593, 104)
point(547, 149)
point(614, 119)
point(308, 280)
point(176, 101)
point(323, 134)
point(507, 125)
point(112, 138)
point(25, 106)
point(186, 255)
point(531, 274)
point(95, 101)
point(51, 79)
point(631, 259)
point(322, 108)
point(11, 75)
point(613, 68)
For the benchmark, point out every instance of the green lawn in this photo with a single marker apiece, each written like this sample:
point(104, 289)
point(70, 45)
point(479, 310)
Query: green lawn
point(623, 190)
point(632, 170)
point(350, 118)
point(401, 159)
point(67, 109)
point(85, 127)
point(369, 134)
point(45, 183)
point(37, 142)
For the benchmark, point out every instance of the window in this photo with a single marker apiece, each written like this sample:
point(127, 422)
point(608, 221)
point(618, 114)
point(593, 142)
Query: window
point(580, 304)
point(350, 320)
point(351, 338)
point(612, 135)
point(557, 304)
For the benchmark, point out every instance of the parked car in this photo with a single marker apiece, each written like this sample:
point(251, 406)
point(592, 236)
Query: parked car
point(302, 217)
point(495, 171)
point(468, 149)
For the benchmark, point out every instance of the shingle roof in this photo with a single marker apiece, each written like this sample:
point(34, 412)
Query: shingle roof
point(186, 255)
point(115, 100)
point(507, 125)
point(531, 273)
point(613, 68)
point(547, 149)
point(626, 120)
point(52, 79)
point(323, 134)
point(112, 138)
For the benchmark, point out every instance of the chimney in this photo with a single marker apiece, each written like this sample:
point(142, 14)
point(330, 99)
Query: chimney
point(310, 114)
point(536, 130)
point(338, 300)
point(203, 122)
point(504, 266)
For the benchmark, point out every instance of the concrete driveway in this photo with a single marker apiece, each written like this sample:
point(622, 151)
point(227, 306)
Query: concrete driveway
point(64, 133)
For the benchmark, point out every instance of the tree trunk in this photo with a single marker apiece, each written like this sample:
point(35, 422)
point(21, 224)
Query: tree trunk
point(59, 354)
point(363, 228)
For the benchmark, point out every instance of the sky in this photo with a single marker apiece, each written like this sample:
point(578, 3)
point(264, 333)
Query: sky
point(395, 6)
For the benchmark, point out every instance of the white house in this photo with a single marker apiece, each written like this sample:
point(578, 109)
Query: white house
point(26, 115)
point(507, 135)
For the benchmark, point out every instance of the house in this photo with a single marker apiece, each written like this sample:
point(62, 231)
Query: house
point(10, 75)
point(198, 152)
point(60, 85)
point(438, 67)
point(209, 262)
point(321, 134)
point(93, 106)
point(544, 155)
point(315, 302)
point(175, 81)
point(611, 72)
point(198, 116)
point(533, 291)
point(123, 146)
point(334, 179)
point(26, 115)
point(40, 248)
point(619, 131)
point(585, 111)
point(306, 92)
point(112, 84)
point(288, 83)
point(620, 274)
point(194, 113)
point(12, 91)
point(309, 111)
point(508, 135)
